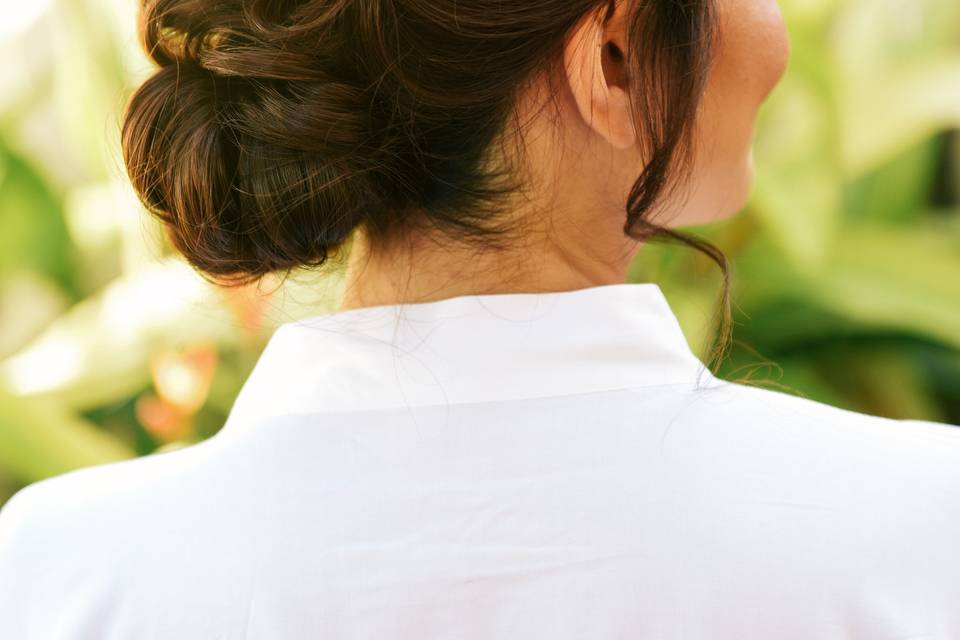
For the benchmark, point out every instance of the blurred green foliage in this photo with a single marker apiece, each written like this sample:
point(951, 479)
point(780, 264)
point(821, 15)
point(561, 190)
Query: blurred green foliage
point(846, 262)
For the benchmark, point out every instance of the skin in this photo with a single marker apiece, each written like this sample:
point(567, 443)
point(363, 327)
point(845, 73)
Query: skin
point(574, 210)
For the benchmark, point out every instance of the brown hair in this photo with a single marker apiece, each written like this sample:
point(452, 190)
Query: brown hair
point(273, 129)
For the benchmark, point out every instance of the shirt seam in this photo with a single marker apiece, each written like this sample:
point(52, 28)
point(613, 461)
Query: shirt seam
point(367, 412)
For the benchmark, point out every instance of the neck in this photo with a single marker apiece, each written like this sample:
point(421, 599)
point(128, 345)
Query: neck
point(425, 269)
point(572, 212)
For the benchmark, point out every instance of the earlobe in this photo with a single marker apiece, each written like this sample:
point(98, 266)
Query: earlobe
point(623, 134)
point(602, 103)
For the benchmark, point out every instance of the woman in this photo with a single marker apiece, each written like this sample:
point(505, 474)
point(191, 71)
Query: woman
point(494, 436)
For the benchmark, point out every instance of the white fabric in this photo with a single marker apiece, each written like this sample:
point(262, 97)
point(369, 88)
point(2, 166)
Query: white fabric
point(501, 466)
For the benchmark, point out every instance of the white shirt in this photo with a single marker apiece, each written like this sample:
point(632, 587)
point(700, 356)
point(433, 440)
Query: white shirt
point(500, 466)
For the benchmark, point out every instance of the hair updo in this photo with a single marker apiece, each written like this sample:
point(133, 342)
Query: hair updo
point(273, 128)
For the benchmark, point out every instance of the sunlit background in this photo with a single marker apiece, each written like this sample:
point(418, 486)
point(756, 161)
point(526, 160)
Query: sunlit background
point(846, 263)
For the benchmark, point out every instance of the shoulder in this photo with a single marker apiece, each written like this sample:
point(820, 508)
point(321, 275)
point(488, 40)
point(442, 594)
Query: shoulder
point(804, 420)
point(106, 495)
point(825, 495)
point(883, 481)
point(764, 421)
point(839, 442)
point(95, 490)
point(62, 532)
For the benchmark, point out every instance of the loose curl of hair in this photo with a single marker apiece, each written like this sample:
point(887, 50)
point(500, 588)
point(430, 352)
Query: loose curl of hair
point(274, 128)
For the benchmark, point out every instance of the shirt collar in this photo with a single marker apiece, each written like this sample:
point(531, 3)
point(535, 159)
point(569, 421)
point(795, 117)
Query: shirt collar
point(468, 349)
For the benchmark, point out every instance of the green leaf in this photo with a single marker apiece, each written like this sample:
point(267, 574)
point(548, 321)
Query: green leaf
point(42, 440)
point(899, 277)
point(892, 192)
point(886, 114)
point(33, 234)
point(99, 351)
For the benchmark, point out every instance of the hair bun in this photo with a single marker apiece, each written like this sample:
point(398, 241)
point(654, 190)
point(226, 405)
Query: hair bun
point(255, 157)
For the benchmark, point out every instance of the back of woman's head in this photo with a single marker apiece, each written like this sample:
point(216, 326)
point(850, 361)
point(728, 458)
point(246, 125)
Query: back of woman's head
point(273, 129)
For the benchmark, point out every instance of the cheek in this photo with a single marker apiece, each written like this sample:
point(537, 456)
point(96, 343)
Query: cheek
point(773, 47)
point(750, 59)
point(753, 48)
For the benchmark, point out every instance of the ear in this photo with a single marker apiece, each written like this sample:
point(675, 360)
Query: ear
point(594, 57)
